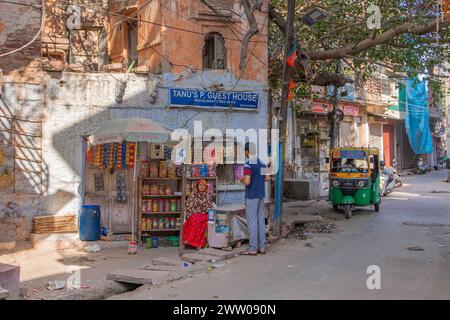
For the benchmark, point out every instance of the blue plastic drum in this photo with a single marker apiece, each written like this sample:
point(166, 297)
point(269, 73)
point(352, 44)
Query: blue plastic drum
point(89, 223)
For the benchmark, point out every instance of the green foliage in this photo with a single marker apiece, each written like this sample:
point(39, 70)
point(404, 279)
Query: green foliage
point(346, 24)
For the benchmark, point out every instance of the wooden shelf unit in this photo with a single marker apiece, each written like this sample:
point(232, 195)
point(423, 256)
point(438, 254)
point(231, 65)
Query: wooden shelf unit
point(178, 184)
point(181, 183)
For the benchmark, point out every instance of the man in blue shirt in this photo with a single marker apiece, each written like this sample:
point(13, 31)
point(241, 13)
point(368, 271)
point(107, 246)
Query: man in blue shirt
point(254, 199)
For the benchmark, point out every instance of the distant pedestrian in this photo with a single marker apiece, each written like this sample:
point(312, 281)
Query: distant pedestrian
point(254, 198)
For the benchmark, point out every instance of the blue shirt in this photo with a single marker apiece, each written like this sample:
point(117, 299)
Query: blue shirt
point(256, 189)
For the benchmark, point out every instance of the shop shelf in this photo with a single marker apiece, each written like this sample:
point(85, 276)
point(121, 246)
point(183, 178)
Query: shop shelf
point(162, 212)
point(213, 194)
point(163, 196)
point(160, 230)
point(201, 178)
point(148, 178)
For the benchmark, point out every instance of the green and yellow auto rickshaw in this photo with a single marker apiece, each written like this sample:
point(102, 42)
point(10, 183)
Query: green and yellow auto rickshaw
point(354, 178)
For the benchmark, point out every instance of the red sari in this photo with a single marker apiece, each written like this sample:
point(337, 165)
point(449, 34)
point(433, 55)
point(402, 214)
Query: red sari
point(196, 225)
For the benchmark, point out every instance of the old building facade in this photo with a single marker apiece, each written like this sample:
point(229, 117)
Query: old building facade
point(93, 61)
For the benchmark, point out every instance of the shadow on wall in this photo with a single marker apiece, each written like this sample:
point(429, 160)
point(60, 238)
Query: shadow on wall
point(73, 105)
point(23, 170)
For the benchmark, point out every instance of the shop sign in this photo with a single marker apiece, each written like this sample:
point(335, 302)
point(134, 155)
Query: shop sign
point(350, 110)
point(321, 106)
point(213, 99)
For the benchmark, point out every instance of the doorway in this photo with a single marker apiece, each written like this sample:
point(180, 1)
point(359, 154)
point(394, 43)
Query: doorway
point(388, 144)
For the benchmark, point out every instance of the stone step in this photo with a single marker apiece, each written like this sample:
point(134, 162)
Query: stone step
point(219, 253)
point(165, 261)
point(138, 276)
point(4, 294)
point(200, 266)
point(197, 257)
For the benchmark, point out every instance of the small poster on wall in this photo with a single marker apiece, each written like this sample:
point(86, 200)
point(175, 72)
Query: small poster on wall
point(99, 182)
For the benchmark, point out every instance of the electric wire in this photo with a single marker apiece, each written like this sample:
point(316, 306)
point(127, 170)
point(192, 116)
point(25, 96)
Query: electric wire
point(34, 38)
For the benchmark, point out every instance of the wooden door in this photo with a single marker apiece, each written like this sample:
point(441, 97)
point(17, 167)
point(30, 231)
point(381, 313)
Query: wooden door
point(388, 144)
point(116, 216)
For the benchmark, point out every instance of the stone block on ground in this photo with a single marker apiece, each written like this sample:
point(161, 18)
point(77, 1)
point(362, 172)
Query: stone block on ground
point(301, 189)
point(163, 268)
point(10, 280)
point(200, 266)
point(197, 257)
point(25, 291)
point(137, 276)
point(7, 246)
point(218, 253)
point(165, 261)
point(4, 294)
point(58, 241)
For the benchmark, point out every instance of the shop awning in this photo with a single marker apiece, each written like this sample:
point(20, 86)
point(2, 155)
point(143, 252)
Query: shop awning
point(131, 130)
point(384, 116)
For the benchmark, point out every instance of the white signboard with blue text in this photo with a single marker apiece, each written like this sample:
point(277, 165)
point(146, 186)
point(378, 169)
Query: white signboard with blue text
point(183, 97)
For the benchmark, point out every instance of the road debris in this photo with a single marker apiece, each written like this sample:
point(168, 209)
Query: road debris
point(416, 249)
point(304, 231)
point(320, 227)
point(56, 285)
point(439, 191)
point(93, 248)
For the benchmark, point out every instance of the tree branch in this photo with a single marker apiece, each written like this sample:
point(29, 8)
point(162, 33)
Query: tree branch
point(249, 10)
point(406, 28)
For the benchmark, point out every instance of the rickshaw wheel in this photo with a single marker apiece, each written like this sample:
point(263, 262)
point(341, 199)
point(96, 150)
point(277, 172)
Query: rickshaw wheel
point(377, 207)
point(335, 207)
point(347, 211)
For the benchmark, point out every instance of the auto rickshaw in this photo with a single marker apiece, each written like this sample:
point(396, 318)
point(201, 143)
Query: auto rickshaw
point(354, 178)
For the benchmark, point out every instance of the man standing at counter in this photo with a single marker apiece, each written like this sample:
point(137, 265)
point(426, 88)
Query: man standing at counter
point(254, 200)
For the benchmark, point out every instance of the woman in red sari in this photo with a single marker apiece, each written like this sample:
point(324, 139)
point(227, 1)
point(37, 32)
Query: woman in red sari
point(196, 225)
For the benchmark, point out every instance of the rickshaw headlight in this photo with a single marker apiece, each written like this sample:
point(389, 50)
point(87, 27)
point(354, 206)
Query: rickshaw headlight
point(360, 183)
point(336, 183)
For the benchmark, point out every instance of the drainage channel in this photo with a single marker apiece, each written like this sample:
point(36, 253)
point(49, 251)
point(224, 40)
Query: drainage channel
point(111, 288)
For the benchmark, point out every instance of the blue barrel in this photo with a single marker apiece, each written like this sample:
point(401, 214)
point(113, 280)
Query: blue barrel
point(89, 223)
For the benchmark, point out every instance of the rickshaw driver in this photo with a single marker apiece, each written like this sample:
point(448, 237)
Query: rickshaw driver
point(349, 166)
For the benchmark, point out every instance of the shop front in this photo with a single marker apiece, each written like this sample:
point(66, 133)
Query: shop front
point(146, 191)
point(172, 197)
point(313, 131)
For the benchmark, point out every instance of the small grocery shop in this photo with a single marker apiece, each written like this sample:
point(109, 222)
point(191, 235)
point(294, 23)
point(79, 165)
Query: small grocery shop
point(144, 194)
point(312, 129)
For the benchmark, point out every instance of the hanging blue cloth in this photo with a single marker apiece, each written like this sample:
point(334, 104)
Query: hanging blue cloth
point(417, 122)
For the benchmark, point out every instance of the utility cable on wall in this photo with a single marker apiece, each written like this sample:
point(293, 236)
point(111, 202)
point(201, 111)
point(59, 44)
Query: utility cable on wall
point(34, 38)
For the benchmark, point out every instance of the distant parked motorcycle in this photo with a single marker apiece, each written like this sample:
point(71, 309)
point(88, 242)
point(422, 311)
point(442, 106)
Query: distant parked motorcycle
point(422, 166)
point(389, 179)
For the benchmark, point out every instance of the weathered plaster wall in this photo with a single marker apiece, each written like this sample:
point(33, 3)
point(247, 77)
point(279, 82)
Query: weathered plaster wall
point(18, 25)
point(174, 36)
point(75, 104)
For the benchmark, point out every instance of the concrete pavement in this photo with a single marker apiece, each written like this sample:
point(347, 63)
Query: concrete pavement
point(409, 240)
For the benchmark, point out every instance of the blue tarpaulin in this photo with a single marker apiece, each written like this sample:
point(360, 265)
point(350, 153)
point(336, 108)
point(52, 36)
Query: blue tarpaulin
point(417, 120)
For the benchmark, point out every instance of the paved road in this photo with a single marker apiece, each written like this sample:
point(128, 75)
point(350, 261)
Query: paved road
point(335, 266)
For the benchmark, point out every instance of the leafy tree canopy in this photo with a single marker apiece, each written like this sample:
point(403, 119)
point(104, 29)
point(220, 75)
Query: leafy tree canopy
point(412, 38)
